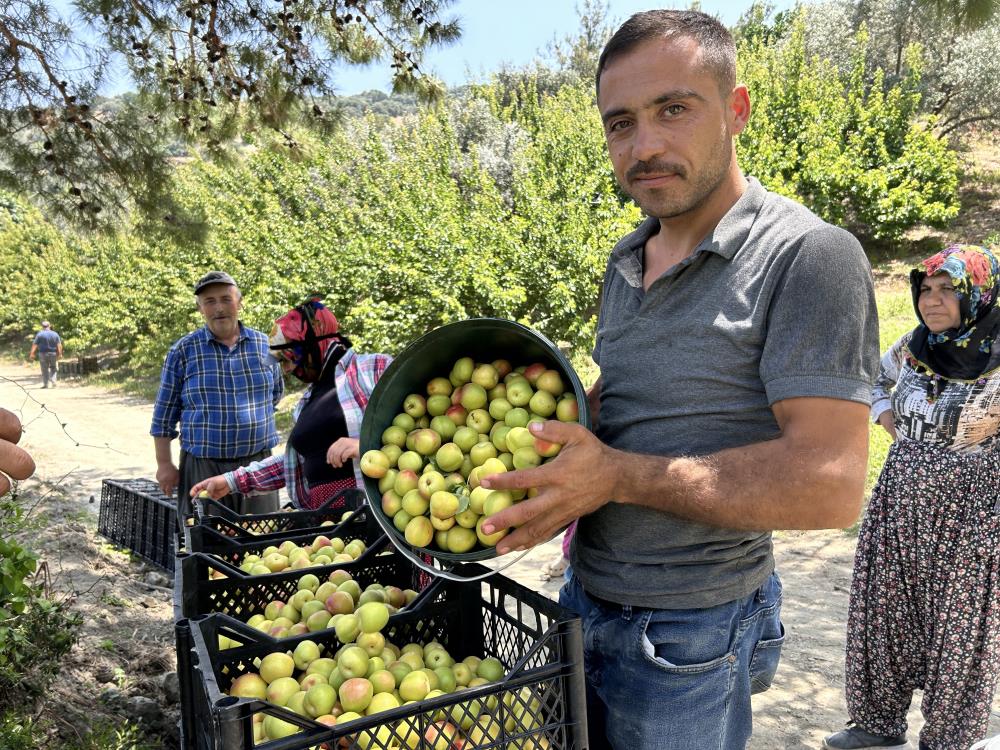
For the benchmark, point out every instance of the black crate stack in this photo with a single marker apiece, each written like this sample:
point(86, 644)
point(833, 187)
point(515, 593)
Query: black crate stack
point(539, 705)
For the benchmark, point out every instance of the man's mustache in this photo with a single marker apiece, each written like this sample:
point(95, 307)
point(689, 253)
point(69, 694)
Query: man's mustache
point(651, 168)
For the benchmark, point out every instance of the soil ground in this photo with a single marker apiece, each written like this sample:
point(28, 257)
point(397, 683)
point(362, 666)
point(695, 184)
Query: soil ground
point(80, 434)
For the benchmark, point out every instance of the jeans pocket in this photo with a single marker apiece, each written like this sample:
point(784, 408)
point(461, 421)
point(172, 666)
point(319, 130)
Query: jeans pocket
point(764, 662)
point(686, 647)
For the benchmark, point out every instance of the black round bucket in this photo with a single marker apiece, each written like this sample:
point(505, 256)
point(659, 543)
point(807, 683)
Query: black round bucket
point(432, 355)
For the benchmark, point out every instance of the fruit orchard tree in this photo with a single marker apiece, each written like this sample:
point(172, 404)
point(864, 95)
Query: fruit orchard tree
point(207, 73)
point(953, 43)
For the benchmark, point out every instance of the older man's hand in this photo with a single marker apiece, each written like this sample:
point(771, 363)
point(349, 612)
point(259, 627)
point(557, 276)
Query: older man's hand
point(579, 481)
point(15, 463)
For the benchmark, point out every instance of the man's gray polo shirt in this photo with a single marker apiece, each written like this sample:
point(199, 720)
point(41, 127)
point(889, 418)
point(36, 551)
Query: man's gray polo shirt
point(773, 304)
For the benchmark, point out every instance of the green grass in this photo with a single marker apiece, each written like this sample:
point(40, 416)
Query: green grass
point(124, 380)
point(896, 317)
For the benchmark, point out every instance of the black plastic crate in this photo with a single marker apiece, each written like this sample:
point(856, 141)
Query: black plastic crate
point(208, 512)
point(241, 595)
point(213, 532)
point(195, 593)
point(183, 643)
point(540, 644)
point(136, 515)
point(239, 598)
point(230, 541)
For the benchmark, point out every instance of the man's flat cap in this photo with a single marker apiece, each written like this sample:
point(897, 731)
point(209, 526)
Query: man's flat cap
point(213, 277)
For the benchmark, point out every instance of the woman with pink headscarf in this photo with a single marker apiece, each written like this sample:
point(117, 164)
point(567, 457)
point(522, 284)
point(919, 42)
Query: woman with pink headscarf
point(321, 455)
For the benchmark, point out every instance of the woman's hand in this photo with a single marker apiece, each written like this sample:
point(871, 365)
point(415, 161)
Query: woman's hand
point(216, 487)
point(342, 451)
point(888, 423)
point(14, 462)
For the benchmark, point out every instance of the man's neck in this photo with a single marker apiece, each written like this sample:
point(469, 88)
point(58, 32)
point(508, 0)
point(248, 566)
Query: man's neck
point(680, 235)
point(227, 339)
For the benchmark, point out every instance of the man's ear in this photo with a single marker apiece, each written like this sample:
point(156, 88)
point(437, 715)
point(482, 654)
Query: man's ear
point(738, 108)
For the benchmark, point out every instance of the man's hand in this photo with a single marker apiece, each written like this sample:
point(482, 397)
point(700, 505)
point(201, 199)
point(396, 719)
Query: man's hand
point(14, 462)
point(579, 481)
point(342, 451)
point(216, 487)
point(168, 477)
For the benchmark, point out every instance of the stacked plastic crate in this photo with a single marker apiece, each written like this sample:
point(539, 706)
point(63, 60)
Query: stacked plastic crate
point(538, 703)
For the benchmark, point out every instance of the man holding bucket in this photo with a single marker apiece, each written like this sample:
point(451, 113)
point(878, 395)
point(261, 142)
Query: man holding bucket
point(737, 342)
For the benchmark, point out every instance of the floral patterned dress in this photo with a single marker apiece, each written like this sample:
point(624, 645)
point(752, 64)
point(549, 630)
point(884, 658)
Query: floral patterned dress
point(925, 599)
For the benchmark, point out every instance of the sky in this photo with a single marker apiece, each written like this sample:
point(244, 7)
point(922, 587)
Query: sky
point(494, 32)
point(515, 32)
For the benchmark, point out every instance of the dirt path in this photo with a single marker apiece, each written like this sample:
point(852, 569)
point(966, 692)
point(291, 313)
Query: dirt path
point(805, 703)
point(106, 435)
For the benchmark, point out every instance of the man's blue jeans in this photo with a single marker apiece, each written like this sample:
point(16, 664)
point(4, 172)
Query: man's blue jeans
point(668, 679)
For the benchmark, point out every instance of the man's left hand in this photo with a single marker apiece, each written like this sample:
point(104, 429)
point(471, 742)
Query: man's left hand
point(342, 451)
point(579, 481)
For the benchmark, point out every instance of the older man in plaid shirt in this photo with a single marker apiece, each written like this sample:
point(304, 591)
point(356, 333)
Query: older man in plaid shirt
point(221, 384)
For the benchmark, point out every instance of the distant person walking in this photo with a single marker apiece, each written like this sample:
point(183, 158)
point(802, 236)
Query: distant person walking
point(48, 346)
point(221, 384)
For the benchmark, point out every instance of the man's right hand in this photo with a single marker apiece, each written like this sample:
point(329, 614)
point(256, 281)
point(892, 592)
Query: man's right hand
point(216, 487)
point(168, 477)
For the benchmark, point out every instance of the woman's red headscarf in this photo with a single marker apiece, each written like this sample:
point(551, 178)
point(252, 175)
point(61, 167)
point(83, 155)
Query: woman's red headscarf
point(304, 335)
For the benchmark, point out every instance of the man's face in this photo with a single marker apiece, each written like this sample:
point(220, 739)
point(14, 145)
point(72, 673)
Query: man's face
point(220, 305)
point(668, 127)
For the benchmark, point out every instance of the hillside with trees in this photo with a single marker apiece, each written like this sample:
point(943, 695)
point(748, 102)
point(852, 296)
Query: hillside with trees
point(497, 200)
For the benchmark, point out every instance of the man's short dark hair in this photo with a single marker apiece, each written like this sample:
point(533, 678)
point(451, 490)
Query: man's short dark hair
point(717, 46)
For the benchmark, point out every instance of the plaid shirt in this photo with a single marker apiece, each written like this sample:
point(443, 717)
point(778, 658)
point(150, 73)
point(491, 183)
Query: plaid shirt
point(223, 398)
point(355, 376)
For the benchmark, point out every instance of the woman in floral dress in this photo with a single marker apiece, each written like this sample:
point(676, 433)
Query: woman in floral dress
point(925, 598)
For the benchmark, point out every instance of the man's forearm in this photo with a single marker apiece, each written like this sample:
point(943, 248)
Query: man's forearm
point(163, 451)
point(759, 487)
point(811, 477)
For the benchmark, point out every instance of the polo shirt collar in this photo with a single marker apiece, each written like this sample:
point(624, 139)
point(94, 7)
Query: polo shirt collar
point(728, 236)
